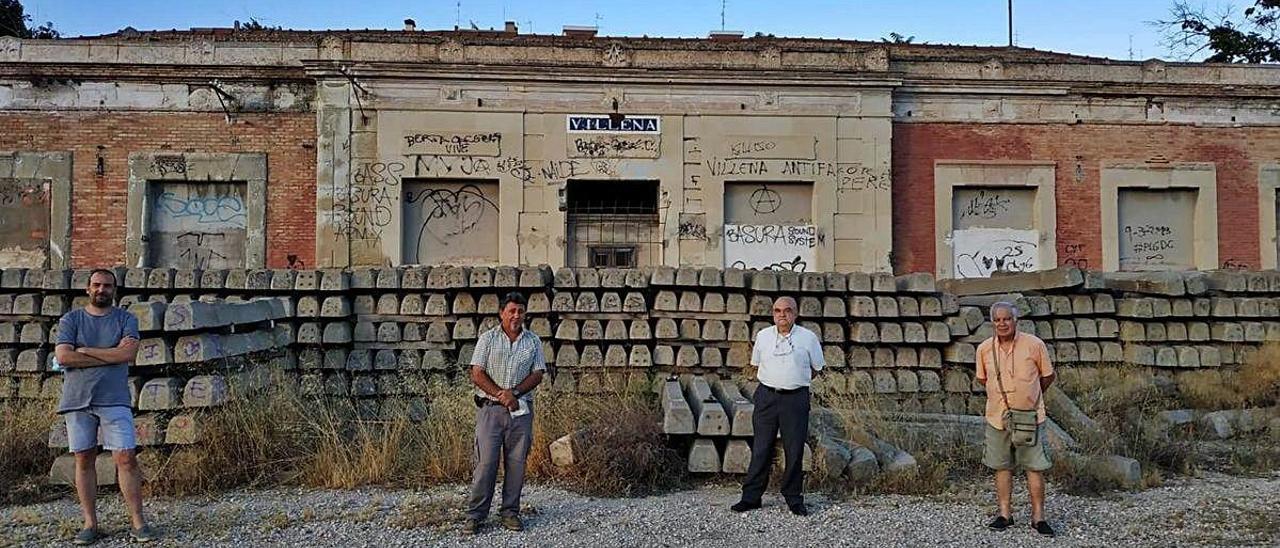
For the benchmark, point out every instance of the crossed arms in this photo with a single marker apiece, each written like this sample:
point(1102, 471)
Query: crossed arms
point(71, 357)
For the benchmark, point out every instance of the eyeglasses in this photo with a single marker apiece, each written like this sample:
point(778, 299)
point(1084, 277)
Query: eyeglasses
point(782, 346)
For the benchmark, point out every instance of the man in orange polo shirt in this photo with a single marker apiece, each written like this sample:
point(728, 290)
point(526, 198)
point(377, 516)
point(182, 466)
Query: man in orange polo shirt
point(1016, 369)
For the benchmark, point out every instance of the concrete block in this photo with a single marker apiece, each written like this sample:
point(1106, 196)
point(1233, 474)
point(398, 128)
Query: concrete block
point(891, 333)
point(677, 415)
point(1167, 283)
point(713, 303)
point(161, 394)
point(33, 333)
point(31, 360)
point(637, 278)
point(703, 457)
point(480, 276)
point(183, 429)
point(1227, 332)
point(63, 470)
point(334, 280)
point(1138, 308)
point(963, 353)
point(687, 356)
point(205, 391)
point(1058, 278)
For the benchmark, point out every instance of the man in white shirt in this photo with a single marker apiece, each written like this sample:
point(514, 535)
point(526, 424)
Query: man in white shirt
point(786, 356)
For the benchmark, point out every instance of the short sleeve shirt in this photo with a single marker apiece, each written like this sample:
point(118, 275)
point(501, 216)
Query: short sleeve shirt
point(100, 386)
point(786, 362)
point(508, 362)
point(1022, 365)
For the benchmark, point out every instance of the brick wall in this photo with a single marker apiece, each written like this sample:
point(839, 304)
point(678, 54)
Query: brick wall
point(98, 202)
point(1238, 153)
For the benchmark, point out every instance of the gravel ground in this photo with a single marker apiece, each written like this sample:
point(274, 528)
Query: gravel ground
point(1210, 510)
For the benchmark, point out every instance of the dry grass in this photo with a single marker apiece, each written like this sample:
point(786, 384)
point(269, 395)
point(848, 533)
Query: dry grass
point(1124, 401)
point(623, 451)
point(284, 437)
point(862, 418)
point(1252, 384)
point(431, 513)
point(25, 457)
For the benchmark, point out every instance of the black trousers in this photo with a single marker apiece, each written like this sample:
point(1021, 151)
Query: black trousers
point(774, 411)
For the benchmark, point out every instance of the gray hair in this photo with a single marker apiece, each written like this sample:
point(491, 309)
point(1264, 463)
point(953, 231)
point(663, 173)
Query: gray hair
point(1004, 305)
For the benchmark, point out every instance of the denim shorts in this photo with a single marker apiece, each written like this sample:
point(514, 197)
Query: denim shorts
point(114, 424)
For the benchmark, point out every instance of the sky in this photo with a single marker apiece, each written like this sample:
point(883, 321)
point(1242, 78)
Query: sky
point(1118, 29)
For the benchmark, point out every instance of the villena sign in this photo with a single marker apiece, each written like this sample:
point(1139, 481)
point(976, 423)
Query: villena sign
point(590, 123)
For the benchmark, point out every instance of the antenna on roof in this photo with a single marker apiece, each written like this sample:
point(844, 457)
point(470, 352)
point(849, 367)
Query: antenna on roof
point(457, 15)
point(1010, 23)
point(722, 6)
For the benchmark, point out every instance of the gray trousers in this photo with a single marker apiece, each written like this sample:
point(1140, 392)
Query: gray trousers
point(499, 436)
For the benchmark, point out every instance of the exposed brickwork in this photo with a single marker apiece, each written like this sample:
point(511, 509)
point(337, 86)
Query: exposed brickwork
point(1238, 153)
point(98, 202)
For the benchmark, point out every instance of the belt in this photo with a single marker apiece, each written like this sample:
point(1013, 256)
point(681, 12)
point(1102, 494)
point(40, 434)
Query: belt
point(481, 402)
point(783, 390)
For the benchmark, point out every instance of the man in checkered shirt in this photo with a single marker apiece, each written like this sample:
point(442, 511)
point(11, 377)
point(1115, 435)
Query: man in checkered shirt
point(507, 365)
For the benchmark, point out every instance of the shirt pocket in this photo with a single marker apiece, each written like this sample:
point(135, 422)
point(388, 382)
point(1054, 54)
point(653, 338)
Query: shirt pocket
point(1027, 370)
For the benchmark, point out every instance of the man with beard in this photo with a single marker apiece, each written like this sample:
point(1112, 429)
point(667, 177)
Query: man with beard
point(95, 347)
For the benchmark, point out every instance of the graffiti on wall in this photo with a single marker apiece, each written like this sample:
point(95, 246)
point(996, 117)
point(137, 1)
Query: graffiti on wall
point(977, 252)
point(771, 247)
point(196, 225)
point(451, 223)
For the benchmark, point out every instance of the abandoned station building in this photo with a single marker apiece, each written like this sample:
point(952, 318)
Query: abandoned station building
point(228, 148)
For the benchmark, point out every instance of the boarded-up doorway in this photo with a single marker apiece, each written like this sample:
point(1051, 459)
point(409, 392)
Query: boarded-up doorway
point(450, 222)
point(196, 225)
point(24, 222)
point(769, 226)
point(993, 229)
point(1157, 229)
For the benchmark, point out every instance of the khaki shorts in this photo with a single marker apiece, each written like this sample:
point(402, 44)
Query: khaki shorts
point(1000, 454)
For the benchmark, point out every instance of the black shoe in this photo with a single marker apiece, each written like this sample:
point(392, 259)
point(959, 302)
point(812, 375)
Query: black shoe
point(798, 509)
point(1043, 528)
point(744, 506)
point(1000, 523)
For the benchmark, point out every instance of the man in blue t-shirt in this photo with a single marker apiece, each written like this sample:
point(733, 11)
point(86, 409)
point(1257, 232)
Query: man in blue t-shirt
point(95, 347)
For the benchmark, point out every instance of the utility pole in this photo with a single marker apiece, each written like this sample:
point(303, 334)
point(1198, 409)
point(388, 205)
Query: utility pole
point(1010, 23)
point(722, 4)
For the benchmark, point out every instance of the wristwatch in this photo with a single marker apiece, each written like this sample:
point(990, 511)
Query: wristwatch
point(515, 393)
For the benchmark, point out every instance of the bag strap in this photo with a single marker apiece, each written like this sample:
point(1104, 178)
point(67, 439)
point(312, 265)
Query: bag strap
point(995, 357)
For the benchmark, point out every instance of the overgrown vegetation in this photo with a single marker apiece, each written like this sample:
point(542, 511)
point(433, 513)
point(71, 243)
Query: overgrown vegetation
point(24, 456)
point(286, 438)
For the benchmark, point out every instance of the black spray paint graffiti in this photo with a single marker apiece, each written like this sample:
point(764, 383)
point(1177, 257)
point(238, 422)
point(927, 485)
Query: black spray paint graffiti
point(692, 230)
point(765, 200)
point(294, 262)
point(1232, 264)
point(849, 177)
point(792, 235)
point(197, 253)
point(453, 144)
point(985, 206)
point(447, 214)
point(164, 165)
point(794, 265)
point(364, 211)
point(1007, 255)
point(1074, 256)
point(604, 146)
point(751, 147)
point(1146, 245)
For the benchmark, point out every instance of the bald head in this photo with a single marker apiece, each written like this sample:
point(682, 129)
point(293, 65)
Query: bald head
point(784, 314)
